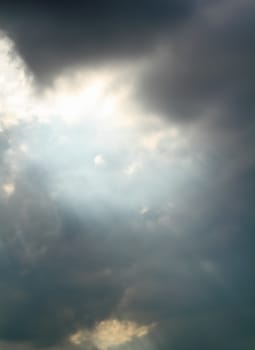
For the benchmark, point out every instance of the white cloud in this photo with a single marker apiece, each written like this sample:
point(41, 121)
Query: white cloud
point(110, 333)
point(99, 160)
point(15, 85)
point(132, 168)
point(24, 148)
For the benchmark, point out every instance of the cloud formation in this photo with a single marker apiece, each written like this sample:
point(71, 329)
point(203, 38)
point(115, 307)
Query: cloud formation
point(110, 333)
point(127, 184)
point(205, 69)
point(51, 35)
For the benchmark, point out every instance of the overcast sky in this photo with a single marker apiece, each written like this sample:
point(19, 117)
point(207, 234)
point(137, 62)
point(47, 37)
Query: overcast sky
point(127, 140)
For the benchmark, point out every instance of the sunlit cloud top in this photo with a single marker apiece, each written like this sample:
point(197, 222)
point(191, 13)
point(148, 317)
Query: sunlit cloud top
point(110, 333)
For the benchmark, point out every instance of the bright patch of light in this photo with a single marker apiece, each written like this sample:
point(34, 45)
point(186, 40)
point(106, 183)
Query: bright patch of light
point(110, 333)
point(15, 85)
point(74, 101)
point(99, 160)
point(144, 210)
point(132, 168)
point(23, 148)
point(82, 122)
point(8, 189)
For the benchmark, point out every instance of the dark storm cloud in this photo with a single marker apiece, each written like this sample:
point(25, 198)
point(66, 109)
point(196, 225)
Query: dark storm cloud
point(200, 287)
point(206, 69)
point(52, 34)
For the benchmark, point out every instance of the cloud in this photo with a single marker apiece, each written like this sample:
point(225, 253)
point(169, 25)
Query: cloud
point(69, 263)
point(52, 35)
point(99, 160)
point(110, 333)
point(15, 84)
point(205, 71)
point(172, 243)
point(8, 189)
point(132, 168)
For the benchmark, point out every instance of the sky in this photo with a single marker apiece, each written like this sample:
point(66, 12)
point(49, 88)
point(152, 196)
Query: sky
point(127, 187)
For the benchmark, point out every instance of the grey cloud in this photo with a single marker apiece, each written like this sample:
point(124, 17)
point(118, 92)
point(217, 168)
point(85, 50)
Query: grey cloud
point(80, 273)
point(187, 267)
point(52, 34)
point(206, 69)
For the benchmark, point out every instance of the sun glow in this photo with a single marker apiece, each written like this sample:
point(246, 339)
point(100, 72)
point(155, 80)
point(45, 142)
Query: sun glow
point(15, 85)
point(73, 97)
point(79, 97)
point(88, 132)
